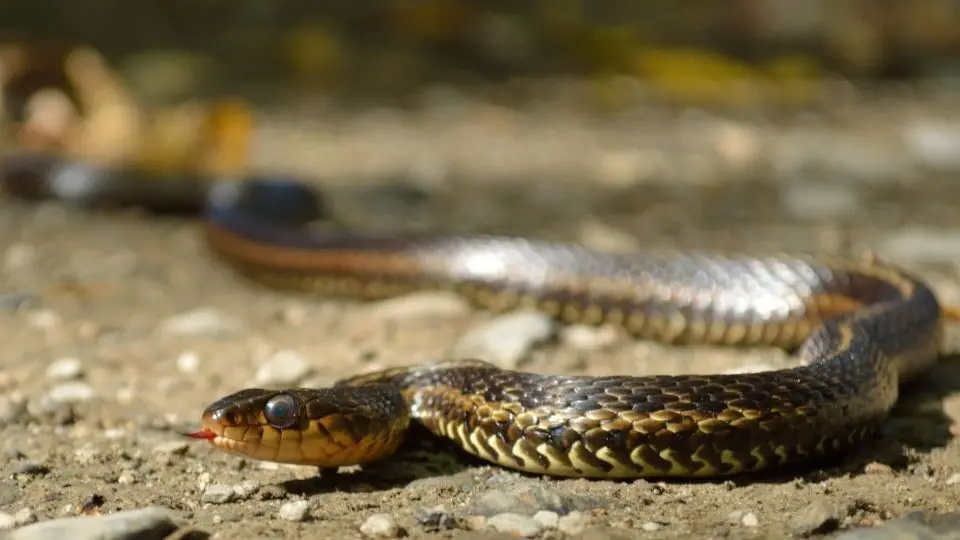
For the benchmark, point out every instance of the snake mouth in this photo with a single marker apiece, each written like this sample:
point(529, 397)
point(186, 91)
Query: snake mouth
point(204, 434)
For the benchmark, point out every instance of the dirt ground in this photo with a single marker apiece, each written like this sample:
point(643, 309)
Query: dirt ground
point(128, 328)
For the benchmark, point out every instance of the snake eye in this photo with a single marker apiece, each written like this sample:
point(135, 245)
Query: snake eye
point(282, 411)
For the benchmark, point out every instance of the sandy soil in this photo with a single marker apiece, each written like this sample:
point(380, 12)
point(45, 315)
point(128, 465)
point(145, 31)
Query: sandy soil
point(134, 328)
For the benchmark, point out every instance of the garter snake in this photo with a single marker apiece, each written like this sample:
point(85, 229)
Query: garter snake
point(860, 327)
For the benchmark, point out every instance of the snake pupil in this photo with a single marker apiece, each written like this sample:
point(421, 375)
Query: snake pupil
point(282, 411)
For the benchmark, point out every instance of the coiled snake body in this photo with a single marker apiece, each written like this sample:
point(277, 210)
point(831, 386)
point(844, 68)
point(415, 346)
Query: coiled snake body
point(861, 327)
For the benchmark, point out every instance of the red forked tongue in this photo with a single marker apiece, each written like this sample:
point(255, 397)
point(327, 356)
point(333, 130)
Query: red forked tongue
point(204, 434)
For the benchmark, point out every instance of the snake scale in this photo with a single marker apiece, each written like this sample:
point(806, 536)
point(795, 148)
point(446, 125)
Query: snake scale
point(860, 327)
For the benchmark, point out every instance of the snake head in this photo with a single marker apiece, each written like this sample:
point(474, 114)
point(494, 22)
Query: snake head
point(321, 427)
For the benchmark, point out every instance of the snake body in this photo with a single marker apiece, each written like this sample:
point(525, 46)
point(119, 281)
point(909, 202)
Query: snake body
point(861, 327)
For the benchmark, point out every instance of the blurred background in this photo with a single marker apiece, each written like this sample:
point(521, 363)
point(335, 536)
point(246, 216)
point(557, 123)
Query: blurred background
point(802, 114)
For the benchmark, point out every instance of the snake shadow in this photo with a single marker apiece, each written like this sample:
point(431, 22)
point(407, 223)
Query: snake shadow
point(918, 425)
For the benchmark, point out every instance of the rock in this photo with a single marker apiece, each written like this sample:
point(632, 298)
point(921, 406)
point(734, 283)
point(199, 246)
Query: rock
point(68, 392)
point(818, 517)
point(205, 322)
point(921, 244)
point(151, 522)
point(218, 494)
point(529, 499)
point(283, 367)
point(507, 339)
point(127, 478)
point(515, 524)
point(547, 519)
point(572, 523)
point(24, 516)
point(12, 410)
point(421, 305)
point(294, 511)
point(246, 489)
point(436, 519)
point(15, 301)
point(651, 526)
point(954, 479)
point(820, 200)
point(7, 521)
point(188, 362)
point(380, 526)
point(65, 369)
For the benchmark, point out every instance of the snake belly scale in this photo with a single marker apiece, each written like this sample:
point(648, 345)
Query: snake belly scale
point(860, 327)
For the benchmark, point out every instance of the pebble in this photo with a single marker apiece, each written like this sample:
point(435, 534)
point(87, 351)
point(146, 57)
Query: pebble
point(150, 522)
point(127, 478)
point(741, 517)
point(24, 516)
point(547, 519)
point(15, 301)
point(515, 524)
point(283, 367)
point(380, 526)
point(65, 369)
point(218, 494)
point(7, 521)
point(954, 479)
point(651, 526)
point(427, 304)
point(820, 200)
point(246, 489)
point(294, 511)
point(18, 256)
point(68, 392)
point(12, 410)
point(572, 523)
point(507, 339)
point(188, 363)
point(44, 319)
point(205, 322)
point(921, 244)
point(818, 517)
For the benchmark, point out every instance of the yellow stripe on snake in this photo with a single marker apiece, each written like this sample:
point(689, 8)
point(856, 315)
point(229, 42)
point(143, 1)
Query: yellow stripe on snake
point(860, 327)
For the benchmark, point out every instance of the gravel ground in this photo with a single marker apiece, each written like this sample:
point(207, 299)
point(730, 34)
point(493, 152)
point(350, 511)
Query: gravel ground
point(119, 328)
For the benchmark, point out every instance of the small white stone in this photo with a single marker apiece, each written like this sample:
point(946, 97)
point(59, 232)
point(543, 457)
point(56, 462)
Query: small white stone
point(749, 520)
point(65, 369)
point(651, 526)
point(7, 521)
point(954, 479)
point(127, 478)
point(188, 362)
point(246, 488)
point(283, 367)
point(547, 518)
point(294, 511)
point(218, 494)
point(44, 319)
point(201, 322)
point(25, 516)
point(572, 523)
point(380, 526)
point(515, 525)
point(70, 392)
